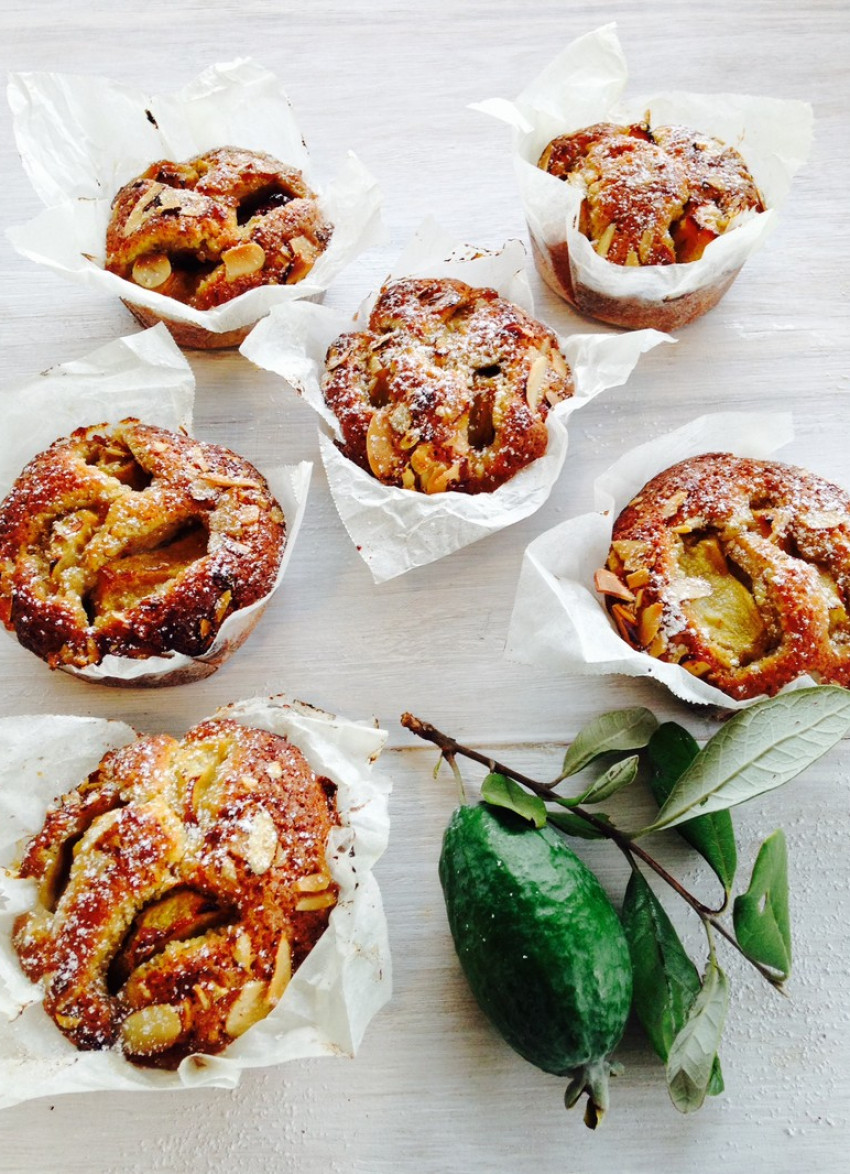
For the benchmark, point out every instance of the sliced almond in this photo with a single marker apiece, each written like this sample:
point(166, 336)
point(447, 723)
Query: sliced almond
point(380, 447)
point(638, 578)
point(243, 952)
point(672, 504)
point(142, 208)
point(650, 622)
point(605, 241)
point(151, 1029)
point(249, 515)
point(249, 1007)
point(377, 343)
point(657, 646)
point(222, 604)
point(68, 1022)
point(607, 583)
point(315, 901)
point(304, 248)
point(624, 618)
point(151, 270)
point(337, 358)
point(559, 362)
point(243, 260)
point(645, 244)
point(314, 882)
point(697, 668)
point(304, 255)
point(536, 378)
point(282, 972)
point(227, 482)
point(823, 519)
point(262, 843)
point(631, 551)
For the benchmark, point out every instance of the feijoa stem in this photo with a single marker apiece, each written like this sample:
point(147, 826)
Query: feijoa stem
point(593, 1080)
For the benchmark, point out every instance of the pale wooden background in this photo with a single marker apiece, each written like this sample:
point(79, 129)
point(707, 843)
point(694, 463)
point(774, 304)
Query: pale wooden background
point(433, 1089)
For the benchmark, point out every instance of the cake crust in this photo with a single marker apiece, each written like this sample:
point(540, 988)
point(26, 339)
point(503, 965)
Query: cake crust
point(738, 570)
point(179, 887)
point(135, 541)
point(206, 230)
point(651, 196)
point(447, 389)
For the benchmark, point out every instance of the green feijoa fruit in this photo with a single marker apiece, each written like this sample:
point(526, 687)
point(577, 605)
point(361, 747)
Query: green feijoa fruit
point(540, 944)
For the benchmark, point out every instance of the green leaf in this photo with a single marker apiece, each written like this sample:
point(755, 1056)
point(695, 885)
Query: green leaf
point(500, 791)
point(614, 779)
point(574, 825)
point(760, 748)
point(760, 916)
point(622, 729)
point(691, 1062)
point(716, 1084)
point(671, 751)
point(666, 982)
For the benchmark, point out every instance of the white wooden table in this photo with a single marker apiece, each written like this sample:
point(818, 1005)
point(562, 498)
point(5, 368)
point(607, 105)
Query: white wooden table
point(433, 1089)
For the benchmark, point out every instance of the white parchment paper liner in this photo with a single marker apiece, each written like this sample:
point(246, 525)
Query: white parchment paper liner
point(559, 620)
point(81, 138)
point(584, 84)
point(332, 997)
point(145, 376)
point(396, 529)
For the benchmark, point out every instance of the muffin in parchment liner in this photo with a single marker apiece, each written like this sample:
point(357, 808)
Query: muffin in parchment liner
point(133, 554)
point(82, 139)
point(396, 528)
point(584, 86)
point(331, 997)
point(560, 619)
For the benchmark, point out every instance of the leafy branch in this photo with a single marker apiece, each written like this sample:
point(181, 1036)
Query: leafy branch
point(494, 792)
point(757, 750)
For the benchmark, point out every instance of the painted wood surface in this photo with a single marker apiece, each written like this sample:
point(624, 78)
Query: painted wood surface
point(433, 1089)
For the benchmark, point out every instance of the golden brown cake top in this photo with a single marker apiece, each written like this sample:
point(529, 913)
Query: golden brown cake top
point(133, 540)
point(447, 389)
point(209, 229)
point(653, 196)
point(179, 886)
point(737, 569)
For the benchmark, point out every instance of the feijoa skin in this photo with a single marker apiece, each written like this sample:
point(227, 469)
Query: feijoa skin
point(540, 944)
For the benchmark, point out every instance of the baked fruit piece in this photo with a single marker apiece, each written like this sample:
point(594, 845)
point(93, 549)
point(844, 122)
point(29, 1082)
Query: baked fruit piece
point(737, 569)
point(447, 389)
point(652, 196)
point(133, 540)
point(179, 886)
point(209, 229)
